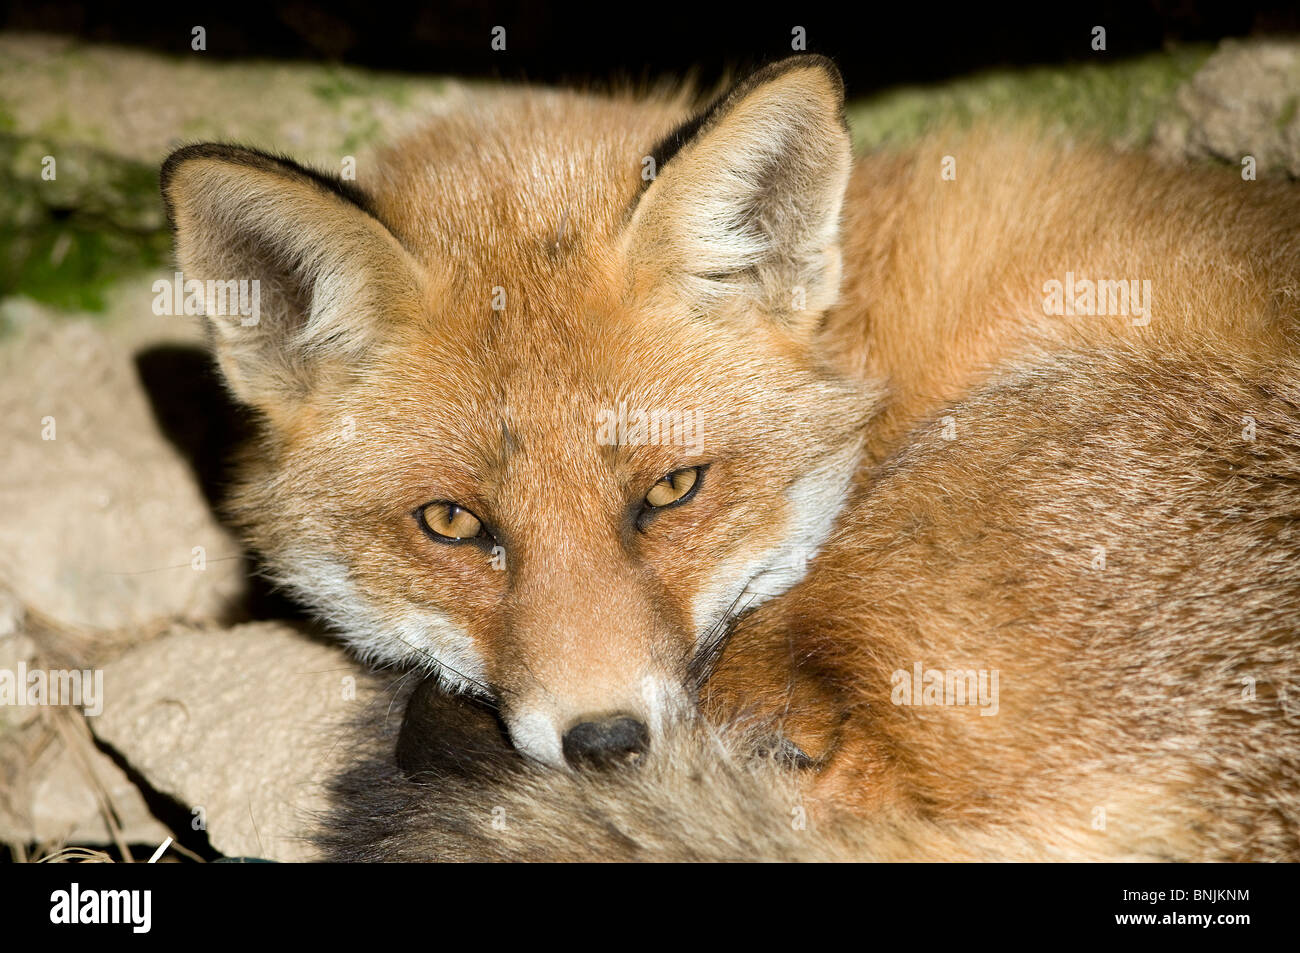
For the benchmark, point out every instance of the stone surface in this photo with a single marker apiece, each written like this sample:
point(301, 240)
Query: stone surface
point(241, 724)
point(99, 525)
point(98, 529)
point(55, 784)
point(1244, 101)
point(65, 808)
point(137, 105)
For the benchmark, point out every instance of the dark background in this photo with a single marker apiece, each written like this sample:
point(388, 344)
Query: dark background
point(876, 45)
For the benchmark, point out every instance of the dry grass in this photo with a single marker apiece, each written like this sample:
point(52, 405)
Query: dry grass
point(61, 646)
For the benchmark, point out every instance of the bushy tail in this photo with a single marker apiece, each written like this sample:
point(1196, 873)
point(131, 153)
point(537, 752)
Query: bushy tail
point(457, 791)
point(449, 787)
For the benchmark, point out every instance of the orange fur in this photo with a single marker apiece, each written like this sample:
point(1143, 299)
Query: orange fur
point(456, 332)
point(1173, 448)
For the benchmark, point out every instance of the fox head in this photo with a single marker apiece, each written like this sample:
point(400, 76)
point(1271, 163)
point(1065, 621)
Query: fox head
point(540, 403)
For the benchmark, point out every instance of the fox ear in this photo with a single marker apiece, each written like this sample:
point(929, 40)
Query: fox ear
point(323, 270)
point(747, 199)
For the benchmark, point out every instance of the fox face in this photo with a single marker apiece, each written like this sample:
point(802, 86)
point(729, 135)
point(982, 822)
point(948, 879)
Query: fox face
point(531, 417)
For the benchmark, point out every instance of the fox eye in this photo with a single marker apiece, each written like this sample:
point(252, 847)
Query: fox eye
point(447, 521)
point(676, 487)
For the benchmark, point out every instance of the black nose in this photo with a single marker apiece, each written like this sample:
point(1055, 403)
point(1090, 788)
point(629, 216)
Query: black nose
point(606, 742)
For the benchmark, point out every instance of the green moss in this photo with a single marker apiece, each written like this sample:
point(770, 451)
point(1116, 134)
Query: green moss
point(1288, 113)
point(64, 240)
point(70, 265)
point(337, 85)
point(1117, 100)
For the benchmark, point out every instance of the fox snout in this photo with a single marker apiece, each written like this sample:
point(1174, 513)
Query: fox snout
point(598, 730)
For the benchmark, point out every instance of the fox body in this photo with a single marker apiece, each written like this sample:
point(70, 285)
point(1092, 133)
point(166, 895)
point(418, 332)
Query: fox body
point(1022, 411)
point(1101, 509)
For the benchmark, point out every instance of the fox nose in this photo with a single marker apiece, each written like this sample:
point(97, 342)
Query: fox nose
point(606, 742)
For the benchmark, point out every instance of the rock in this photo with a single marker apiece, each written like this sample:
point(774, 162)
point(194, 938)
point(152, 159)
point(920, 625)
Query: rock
point(1118, 101)
point(65, 808)
point(138, 106)
point(84, 128)
point(56, 784)
point(101, 520)
point(1244, 101)
point(241, 725)
point(98, 529)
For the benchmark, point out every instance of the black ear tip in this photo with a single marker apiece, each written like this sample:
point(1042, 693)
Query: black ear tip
point(173, 161)
point(195, 150)
point(801, 61)
point(671, 144)
point(823, 63)
point(263, 161)
point(178, 157)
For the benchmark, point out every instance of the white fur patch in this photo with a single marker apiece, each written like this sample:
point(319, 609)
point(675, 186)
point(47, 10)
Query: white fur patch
point(425, 638)
point(815, 501)
point(664, 702)
point(534, 733)
point(537, 727)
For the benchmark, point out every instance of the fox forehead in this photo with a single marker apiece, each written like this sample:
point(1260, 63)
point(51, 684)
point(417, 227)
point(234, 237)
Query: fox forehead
point(530, 328)
point(519, 182)
point(505, 359)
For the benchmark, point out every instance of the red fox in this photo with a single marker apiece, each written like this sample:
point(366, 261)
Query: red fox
point(965, 480)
